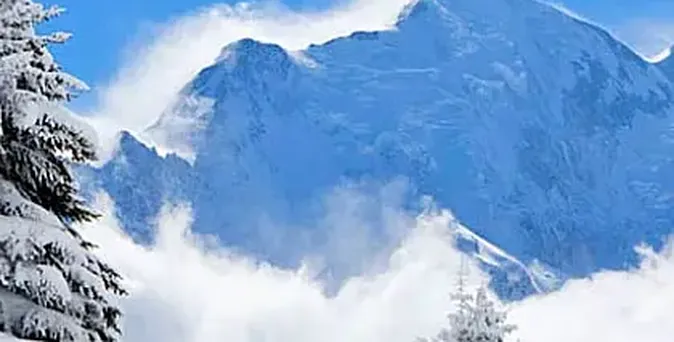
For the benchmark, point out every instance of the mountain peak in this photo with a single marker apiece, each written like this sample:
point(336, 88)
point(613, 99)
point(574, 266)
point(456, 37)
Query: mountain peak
point(447, 8)
point(244, 67)
point(417, 8)
point(465, 16)
point(249, 51)
point(249, 60)
point(423, 10)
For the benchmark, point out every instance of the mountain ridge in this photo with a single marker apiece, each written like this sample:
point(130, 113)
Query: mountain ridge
point(541, 132)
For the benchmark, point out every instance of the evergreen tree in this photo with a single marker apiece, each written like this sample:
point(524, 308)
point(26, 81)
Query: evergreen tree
point(52, 287)
point(477, 319)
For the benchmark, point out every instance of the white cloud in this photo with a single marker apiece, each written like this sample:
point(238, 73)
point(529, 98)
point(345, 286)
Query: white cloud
point(156, 70)
point(182, 290)
point(612, 306)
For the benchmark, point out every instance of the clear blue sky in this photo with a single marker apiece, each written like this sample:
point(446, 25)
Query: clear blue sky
point(103, 27)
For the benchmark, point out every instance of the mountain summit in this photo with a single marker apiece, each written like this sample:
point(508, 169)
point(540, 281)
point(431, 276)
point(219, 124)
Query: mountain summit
point(543, 134)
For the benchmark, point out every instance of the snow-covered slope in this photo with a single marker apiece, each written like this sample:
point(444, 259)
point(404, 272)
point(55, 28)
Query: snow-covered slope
point(543, 134)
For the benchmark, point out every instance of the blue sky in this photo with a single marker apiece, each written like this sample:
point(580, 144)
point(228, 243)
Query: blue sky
point(102, 29)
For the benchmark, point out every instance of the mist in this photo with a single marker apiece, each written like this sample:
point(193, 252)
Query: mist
point(184, 288)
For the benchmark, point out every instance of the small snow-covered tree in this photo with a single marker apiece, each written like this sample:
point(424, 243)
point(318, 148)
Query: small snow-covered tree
point(52, 287)
point(477, 319)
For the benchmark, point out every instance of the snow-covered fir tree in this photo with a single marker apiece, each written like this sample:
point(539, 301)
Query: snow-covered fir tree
point(477, 319)
point(52, 287)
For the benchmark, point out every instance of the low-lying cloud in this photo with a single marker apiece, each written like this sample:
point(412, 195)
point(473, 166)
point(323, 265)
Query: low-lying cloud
point(611, 306)
point(183, 289)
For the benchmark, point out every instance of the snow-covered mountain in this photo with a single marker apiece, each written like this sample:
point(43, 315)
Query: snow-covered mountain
point(543, 134)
